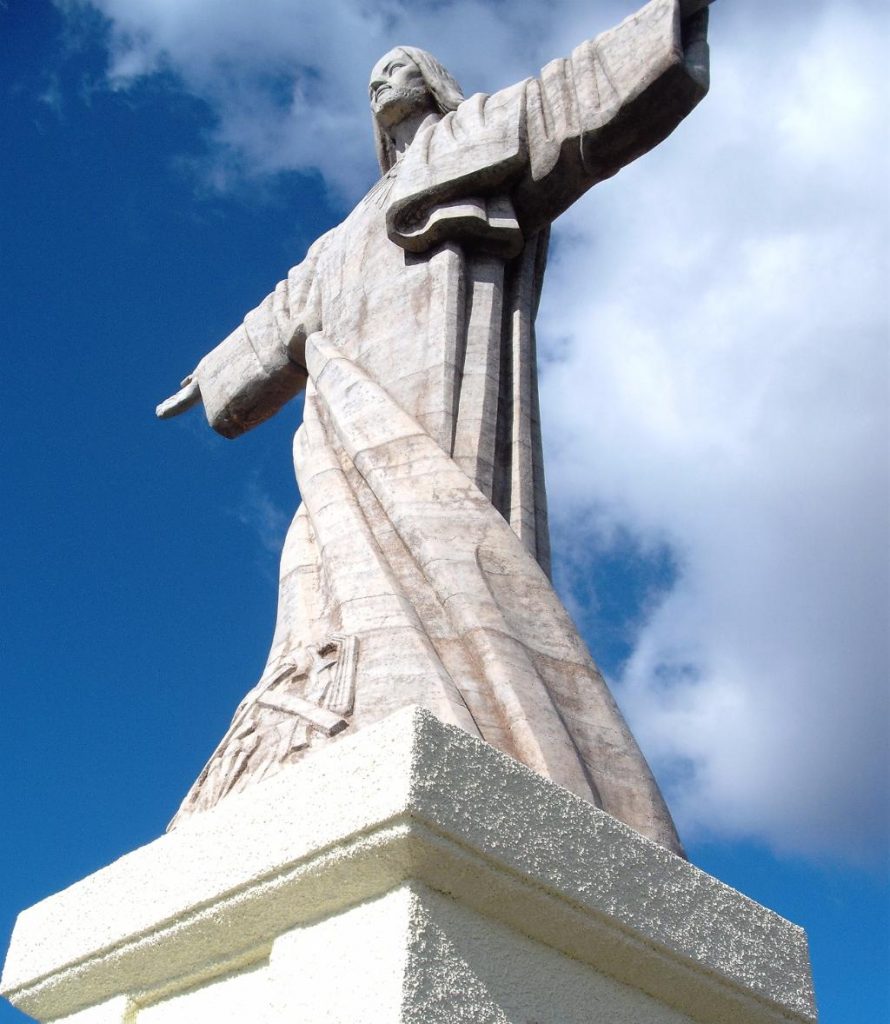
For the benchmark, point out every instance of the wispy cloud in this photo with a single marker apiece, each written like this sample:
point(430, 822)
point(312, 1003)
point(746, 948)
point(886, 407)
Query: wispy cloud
point(258, 510)
point(52, 95)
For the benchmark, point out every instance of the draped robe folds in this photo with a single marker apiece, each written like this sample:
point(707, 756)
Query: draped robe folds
point(416, 570)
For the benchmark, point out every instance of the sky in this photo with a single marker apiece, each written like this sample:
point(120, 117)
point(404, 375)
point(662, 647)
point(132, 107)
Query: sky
point(714, 384)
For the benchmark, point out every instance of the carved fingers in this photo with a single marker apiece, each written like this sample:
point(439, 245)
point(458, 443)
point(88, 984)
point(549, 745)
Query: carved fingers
point(188, 395)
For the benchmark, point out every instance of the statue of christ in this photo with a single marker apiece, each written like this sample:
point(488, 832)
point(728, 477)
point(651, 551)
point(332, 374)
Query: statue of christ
point(416, 570)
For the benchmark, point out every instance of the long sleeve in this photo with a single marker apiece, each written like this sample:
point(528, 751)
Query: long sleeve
point(615, 98)
point(501, 167)
point(259, 367)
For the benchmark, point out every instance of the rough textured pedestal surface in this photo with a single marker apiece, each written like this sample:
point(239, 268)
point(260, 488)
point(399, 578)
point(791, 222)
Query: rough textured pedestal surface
point(414, 874)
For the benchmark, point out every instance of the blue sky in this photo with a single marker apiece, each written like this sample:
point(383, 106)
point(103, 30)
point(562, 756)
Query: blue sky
point(714, 386)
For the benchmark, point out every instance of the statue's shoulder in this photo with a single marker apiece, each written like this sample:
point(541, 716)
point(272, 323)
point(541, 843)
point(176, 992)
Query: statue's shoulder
point(322, 243)
point(317, 250)
point(483, 110)
point(301, 275)
point(486, 128)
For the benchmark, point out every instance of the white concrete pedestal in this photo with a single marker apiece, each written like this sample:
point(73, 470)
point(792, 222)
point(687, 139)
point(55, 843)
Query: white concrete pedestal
point(409, 873)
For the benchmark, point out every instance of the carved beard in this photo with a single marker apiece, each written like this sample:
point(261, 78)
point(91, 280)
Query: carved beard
point(392, 104)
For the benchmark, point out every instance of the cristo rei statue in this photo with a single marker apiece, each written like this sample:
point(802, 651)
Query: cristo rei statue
point(416, 570)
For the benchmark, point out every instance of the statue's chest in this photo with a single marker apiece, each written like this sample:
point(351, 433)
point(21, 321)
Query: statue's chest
point(396, 314)
point(372, 290)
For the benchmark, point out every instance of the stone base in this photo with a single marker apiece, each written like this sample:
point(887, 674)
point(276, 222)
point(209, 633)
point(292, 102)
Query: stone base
point(409, 873)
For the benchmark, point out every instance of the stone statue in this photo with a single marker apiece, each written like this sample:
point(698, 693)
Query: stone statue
point(416, 570)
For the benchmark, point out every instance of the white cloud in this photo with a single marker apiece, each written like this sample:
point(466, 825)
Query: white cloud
point(715, 323)
point(287, 79)
point(730, 330)
point(258, 510)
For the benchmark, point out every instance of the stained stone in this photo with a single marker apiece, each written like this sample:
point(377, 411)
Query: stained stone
point(422, 537)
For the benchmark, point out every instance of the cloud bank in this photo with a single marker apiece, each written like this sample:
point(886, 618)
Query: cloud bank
point(714, 340)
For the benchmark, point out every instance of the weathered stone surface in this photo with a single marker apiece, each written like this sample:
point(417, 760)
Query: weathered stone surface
point(422, 538)
point(410, 873)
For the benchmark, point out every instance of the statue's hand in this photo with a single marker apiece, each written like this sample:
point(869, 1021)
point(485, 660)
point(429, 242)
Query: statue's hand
point(690, 7)
point(188, 395)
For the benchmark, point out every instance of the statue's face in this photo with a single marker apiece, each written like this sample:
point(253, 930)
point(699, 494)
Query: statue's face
point(397, 89)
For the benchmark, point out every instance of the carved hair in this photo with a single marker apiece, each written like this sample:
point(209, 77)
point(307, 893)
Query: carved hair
point(447, 95)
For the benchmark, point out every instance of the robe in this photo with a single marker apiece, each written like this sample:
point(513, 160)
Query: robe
point(416, 570)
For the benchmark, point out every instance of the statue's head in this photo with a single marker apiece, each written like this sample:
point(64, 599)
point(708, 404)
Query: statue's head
point(403, 82)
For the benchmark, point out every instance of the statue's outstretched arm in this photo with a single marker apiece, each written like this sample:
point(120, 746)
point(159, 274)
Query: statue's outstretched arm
point(502, 167)
point(189, 394)
point(612, 100)
point(259, 367)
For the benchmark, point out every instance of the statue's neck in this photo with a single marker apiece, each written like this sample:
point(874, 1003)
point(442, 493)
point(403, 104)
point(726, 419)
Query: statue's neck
point(402, 134)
